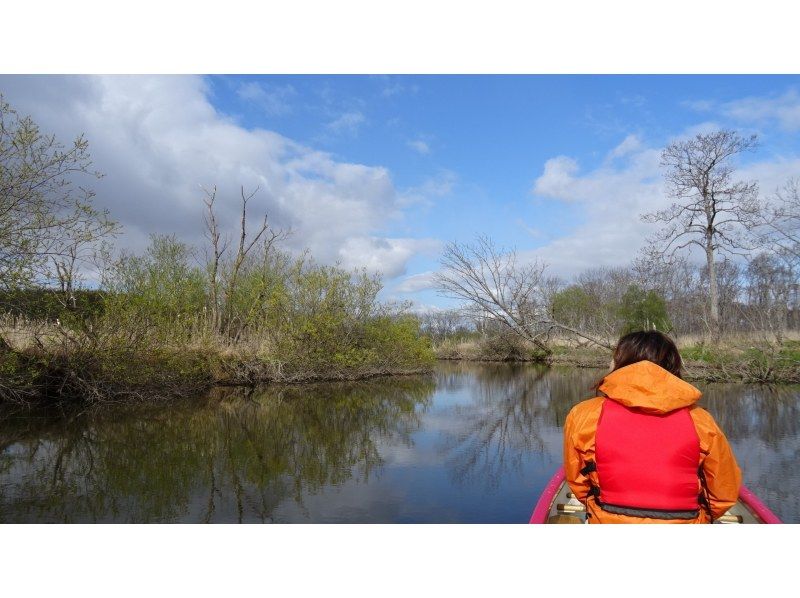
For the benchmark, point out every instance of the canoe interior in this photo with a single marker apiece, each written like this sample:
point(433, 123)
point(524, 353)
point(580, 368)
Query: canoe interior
point(566, 509)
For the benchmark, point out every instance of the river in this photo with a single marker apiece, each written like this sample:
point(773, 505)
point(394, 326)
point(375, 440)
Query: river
point(472, 443)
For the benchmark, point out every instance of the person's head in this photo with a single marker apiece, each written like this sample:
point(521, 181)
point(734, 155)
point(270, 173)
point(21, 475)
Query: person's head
point(649, 345)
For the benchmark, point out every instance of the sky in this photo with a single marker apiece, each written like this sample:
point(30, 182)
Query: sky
point(381, 172)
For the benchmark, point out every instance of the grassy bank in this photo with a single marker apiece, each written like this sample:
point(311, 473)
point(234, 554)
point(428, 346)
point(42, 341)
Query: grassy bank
point(63, 374)
point(734, 359)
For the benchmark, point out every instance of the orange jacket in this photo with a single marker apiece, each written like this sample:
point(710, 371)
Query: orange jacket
point(651, 389)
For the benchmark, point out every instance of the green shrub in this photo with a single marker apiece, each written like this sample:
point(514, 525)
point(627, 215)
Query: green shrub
point(698, 353)
point(643, 310)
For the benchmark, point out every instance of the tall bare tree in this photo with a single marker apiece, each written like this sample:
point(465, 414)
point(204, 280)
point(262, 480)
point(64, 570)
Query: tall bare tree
point(712, 209)
point(498, 287)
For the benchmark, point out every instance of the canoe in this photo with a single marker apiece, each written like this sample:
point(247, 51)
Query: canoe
point(558, 505)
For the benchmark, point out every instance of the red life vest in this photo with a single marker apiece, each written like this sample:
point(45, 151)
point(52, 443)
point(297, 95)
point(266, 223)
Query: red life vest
point(647, 464)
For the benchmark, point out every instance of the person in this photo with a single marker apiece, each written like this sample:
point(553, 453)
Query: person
point(642, 451)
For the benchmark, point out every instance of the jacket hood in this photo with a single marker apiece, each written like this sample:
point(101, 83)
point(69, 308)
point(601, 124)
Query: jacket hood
point(649, 387)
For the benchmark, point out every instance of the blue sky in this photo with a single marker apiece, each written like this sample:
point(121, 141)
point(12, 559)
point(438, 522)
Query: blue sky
point(380, 171)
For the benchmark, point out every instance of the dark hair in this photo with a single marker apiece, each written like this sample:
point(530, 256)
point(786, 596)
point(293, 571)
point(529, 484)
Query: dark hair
point(649, 345)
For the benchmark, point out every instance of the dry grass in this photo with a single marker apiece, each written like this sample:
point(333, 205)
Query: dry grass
point(736, 358)
point(23, 334)
point(734, 339)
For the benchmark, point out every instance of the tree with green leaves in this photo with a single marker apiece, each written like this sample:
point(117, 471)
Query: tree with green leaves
point(49, 226)
point(643, 310)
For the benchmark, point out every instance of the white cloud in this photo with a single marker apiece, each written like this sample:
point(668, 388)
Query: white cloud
point(630, 144)
point(157, 139)
point(348, 123)
point(392, 89)
point(273, 100)
point(383, 254)
point(416, 283)
point(771, 175)
point(561, 181)
point(557, 180)
point(392, 86)
point(783, 109)
point(609, 231)
point(439, 185)
point(420, 147)
point(635, 100)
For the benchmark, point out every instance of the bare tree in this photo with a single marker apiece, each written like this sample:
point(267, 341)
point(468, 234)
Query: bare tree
point(443, 324)
point(770, 283)
point(712, 210)
point(500, 288)
point(218, 248)
point(781, 221)
point(729, 288)
point(223, 284)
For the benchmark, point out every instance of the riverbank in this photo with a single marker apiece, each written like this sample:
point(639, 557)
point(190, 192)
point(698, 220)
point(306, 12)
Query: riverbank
point(113, 373)
point(730, 361)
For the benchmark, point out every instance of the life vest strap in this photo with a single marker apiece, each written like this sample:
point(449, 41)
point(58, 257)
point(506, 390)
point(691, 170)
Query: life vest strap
point(704, 502)
point(650, 513)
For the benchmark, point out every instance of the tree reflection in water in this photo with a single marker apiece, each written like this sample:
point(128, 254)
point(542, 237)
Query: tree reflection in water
point(233, 458)
point(763, 426)
point(516, 410)
point(440, 443)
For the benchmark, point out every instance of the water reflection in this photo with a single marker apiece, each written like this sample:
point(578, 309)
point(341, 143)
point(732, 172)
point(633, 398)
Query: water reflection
point(745, 412)
point(763, 425)
point(474, 443)
point(235, 458)
point(513, 408)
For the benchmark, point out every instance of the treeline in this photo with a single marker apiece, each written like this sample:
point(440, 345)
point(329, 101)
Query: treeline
point(741, 307)
point(758, 299)
point(174, 319)
point(762, 296)
point(759, 340)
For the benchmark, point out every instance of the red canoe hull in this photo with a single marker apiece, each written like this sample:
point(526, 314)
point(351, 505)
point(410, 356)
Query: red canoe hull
point(543, 506)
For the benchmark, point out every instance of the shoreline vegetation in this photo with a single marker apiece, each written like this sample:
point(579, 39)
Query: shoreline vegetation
point(742, 358)
point(35, 378)
point(126, 353)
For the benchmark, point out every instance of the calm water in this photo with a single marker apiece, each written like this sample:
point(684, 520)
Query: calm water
point(472, 443)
